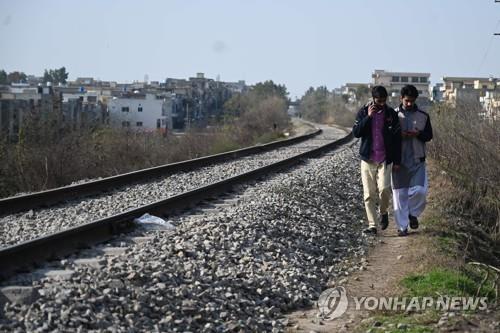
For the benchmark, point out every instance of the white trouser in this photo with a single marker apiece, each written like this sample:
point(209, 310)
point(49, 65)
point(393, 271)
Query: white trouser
point(409, 201)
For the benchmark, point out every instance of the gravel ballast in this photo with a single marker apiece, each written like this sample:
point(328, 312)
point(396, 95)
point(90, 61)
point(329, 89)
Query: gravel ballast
point(240, 269)
point(20, 227)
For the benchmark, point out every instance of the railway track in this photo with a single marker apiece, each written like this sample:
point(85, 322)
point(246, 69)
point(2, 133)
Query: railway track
point(53, 196)
point(235, 261)
point(85, 229)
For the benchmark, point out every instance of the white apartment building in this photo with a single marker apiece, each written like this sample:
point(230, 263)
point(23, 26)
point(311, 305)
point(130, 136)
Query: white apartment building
point(141, 111)
point(394, 81)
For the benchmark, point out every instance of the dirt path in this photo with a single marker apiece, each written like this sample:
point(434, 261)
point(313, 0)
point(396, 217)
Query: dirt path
point(388, 261)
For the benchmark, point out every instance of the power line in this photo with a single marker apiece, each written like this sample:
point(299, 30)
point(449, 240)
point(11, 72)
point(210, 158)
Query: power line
point(488, 48)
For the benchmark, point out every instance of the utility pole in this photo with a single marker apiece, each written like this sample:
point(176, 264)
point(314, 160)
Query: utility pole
point(497, 33)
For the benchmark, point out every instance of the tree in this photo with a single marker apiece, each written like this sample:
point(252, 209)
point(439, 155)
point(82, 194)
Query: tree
point(61, 75)
point(241, 103)
point(264, 115)
point(47, 77)
point(313, 104)
point(320, 105)
point(269, 89)
point(362, 93)
point(16, 77)
point(3, 77)
point(260, 111)
point(55, 76)
point(236, 105)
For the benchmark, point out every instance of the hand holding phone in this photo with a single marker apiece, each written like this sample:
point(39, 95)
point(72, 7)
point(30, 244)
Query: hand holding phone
point(372, 109)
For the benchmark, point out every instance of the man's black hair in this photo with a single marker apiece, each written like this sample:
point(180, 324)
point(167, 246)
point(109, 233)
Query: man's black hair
point(409, 91)
point(379, 92)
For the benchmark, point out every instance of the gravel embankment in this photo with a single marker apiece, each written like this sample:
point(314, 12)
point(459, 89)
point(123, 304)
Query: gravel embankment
point(242, 269)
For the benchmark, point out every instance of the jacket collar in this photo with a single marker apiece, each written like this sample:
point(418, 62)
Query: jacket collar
point(400, 108)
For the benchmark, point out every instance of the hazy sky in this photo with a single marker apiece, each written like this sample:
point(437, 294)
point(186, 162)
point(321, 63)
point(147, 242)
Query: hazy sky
point(296, 43)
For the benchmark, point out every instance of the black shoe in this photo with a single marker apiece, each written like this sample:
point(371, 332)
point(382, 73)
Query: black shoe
point(370, 231)
point(403, 233)
point(384, 221)
point(413, 222)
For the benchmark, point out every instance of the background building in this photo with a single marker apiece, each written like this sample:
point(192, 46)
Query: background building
point(394, 81)
point(141, 111)
point(466, 89)
point(356, 92)
point(17, 101)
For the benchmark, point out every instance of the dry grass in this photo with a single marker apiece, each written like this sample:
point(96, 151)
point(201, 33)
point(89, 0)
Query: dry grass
point(49, 154)
point(466, 153)
point(467, 149)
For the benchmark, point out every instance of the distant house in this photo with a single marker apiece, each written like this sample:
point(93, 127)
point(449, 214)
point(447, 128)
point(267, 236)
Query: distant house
point(199, 100)
point(34, 80)
point(351, 90)
point(84, 81)
point(141, 111)
point(491, 104)
point(437, 92)
point(468, 90)
point(18, 100)
point(473, 92)
point(236, 87)
point(394, 81)
point(82, 106)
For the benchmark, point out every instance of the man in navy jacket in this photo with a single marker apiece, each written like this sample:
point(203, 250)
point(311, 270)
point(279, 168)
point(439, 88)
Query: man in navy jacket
point(378, 126)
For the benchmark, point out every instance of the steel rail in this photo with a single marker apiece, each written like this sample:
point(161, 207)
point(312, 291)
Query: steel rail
point(53, 196)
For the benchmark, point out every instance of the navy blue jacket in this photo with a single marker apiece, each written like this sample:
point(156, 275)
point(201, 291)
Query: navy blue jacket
point(391, 133)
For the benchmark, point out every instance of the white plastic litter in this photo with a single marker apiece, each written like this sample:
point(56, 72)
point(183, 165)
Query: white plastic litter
point(154, 222)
